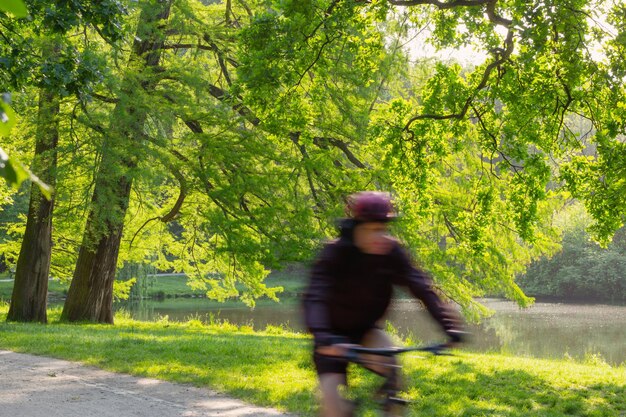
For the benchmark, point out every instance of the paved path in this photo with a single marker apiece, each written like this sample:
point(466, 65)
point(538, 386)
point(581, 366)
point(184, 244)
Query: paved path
point(36, 386)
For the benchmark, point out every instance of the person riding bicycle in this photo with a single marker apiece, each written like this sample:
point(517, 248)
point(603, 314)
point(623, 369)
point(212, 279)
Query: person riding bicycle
point(350, 289)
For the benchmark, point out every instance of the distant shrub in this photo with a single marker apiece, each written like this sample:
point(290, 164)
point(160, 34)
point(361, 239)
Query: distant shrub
point(276, 330)
point(581, 270)
point(195, 324)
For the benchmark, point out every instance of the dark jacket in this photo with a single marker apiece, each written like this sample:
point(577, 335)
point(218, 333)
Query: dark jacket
point(349, 291)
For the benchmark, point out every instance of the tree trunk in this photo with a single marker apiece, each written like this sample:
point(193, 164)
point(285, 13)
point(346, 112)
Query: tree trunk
point(90, 297)
point(30, 290)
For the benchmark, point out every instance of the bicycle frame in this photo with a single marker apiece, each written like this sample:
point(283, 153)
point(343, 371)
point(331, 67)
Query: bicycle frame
point(437, 350)
point(390, 389)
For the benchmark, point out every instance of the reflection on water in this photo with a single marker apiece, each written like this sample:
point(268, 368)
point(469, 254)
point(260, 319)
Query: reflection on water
point(546, 330)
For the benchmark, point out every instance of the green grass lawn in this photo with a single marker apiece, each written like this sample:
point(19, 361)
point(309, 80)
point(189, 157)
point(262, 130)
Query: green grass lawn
point(273, 368)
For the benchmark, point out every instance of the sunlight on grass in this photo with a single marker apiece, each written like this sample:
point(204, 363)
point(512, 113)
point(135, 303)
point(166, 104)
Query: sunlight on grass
point(273, 368)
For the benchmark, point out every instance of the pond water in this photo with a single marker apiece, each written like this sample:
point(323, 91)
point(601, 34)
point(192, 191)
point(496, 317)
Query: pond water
point(545, 330)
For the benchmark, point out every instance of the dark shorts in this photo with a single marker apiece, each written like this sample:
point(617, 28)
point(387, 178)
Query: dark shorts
point(333, 365)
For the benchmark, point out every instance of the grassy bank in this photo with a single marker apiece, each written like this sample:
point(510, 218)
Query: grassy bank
point(174, 286)
point(165, 286)
point(273, 368)
point(55, 289)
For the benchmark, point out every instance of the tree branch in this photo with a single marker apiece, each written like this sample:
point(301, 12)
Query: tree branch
point(493, 17)
point(105, 98)
point(187, 46)
point(501, 55)
point(343, 146)
point(170, 215)
point(244, 111)
point(317, 57)
point(220, 57)
point(295, 138)
point(173, 212)
point(494, 139)
point(440, 4)
point(247, 8)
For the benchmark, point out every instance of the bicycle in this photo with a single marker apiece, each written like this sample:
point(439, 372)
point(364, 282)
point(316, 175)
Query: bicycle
point(389, 402)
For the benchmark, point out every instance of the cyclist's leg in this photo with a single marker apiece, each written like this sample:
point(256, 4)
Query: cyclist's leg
point(388, 368)
point(332, 374)
point(333, 404)
point(376, 338)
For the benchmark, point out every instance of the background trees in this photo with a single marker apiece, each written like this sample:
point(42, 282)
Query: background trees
point(581, 270)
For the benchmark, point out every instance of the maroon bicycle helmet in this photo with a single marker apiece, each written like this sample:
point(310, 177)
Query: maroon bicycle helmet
point(371, 206)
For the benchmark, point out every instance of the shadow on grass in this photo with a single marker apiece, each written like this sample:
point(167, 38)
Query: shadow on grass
point(465, 389)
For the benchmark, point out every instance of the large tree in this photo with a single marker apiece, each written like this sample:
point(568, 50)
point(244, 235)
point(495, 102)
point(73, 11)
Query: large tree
point(223, 192)
point(478, 157)
point(30, 290)
point(90, 296)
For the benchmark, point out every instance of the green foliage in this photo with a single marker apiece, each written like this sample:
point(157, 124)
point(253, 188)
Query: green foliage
point(478, 158)
point(141, 279)
point(248, 203)
point(7, 115)
point(122, 289)
point(15, 173)
point(105, 16)
point(10, 168)
point(15, 7)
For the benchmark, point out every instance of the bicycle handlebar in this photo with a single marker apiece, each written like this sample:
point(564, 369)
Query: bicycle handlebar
point(440, 349)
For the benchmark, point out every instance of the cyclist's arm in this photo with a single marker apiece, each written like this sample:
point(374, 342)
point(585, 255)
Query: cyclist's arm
point(316, 297)
point(421, 286)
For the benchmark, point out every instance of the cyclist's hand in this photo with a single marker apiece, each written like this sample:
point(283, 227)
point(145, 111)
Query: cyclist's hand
point(456, 337)
point(339, 349)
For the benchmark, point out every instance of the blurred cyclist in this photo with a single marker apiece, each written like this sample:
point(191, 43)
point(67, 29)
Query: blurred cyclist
point(350, 290)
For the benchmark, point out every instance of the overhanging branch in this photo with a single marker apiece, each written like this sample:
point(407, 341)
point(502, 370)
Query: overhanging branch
point(501, 56)
point(440, 4)
point(183, 190)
